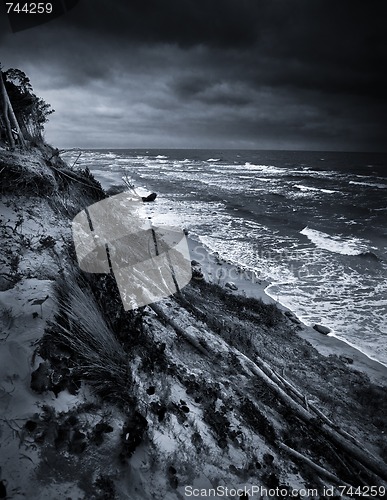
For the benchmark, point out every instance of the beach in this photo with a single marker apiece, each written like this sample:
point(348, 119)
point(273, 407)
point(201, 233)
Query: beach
point(214, 386)
point(248, 284)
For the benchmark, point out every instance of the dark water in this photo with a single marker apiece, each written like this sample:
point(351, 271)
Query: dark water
point(312, 223)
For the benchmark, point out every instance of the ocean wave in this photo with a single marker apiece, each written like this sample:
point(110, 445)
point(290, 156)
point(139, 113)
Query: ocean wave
point(242, 254)
point(308, 188)
point(161, 157)
point(369, 184)
point(336, 243)
point(269, 169)
point(247, 167)
point(213, 159)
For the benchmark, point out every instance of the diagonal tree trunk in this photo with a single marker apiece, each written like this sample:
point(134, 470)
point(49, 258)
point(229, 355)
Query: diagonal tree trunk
point(9, 117)
point(4, 112)
point(14, 122)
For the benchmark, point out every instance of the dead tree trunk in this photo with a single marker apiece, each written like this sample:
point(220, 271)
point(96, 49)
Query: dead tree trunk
point(180, 331)
point(361, 454)
point(15, 123)
point(4, 111)
point(9, 117)
point(320, 470)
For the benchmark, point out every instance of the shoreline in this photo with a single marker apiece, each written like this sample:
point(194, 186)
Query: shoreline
point(330, 335)
point(220, 271)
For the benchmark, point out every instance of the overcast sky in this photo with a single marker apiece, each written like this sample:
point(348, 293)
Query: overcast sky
point(257, 74)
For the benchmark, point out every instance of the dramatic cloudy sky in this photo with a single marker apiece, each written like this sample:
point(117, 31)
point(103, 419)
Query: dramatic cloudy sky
point(264, 74)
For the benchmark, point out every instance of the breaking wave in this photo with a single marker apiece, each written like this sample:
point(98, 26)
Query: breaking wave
point(336, 243)
point(308, 188)
point(369, 184)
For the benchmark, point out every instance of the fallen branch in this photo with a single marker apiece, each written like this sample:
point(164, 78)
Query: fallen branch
point(362, 455)
point(180, 331)
point(317, 468)
point(73, 177)
point(341, 439)
point(308, 404)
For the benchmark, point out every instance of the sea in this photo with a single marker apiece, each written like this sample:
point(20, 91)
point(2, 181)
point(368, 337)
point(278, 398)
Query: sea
point(312, 224)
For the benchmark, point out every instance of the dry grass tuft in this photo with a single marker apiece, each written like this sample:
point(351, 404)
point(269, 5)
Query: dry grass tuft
point(99, 357)
point(25, 174)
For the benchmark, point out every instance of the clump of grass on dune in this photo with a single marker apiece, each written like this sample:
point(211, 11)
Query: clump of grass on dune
point(25, 174)
point(267, 314)
point(98, 356)
point(41, 172)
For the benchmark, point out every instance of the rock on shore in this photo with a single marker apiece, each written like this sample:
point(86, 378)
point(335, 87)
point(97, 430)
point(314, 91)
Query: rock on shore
point(321, 329)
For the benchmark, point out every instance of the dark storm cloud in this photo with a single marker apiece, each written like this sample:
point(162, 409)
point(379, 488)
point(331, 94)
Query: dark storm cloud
point(346, 38)
point(319, 43)
point(185, 22)
point(211, 91)
point(238, 71)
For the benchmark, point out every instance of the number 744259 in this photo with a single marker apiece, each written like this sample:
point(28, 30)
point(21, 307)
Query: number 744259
point(29, 8)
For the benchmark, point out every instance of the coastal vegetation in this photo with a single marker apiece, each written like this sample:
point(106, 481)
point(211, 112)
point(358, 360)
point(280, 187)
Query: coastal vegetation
point(22, 113)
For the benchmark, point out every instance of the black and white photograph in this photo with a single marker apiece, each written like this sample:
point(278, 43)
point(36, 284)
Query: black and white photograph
point(193, 264)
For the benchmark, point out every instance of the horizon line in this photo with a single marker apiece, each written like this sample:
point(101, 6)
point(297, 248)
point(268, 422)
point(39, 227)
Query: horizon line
point(228, 149)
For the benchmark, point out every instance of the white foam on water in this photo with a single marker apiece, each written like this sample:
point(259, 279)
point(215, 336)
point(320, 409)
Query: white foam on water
point(370, 184)
point(242, 253)
point(309, 188)
point(269, 169)
point(336, 243)
point(213, 159)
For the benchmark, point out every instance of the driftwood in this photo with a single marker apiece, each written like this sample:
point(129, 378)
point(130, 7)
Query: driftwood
point(295, 400)
point(362, 455)
point(317, 468)
point(308, 404)
point(180, 331)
